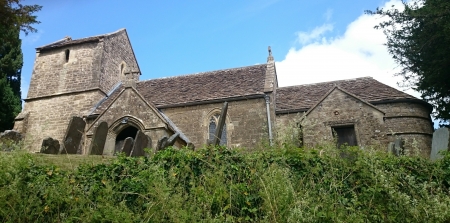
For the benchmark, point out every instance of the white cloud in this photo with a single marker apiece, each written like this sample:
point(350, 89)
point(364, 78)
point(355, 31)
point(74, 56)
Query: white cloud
point(314, 35)
point(359, 52)
point(328, 14)
point(31, 38)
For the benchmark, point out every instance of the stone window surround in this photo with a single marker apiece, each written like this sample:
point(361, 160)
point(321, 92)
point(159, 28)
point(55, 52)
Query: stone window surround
point(122, 69)
point(344, 123)
point(228, 125)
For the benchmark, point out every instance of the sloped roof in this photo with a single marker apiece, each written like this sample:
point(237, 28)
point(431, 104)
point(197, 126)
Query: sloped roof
point(67, 41)
point(207, 86)
point(303, 97)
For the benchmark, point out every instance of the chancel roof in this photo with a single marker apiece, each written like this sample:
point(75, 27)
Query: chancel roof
point(303, 97)
point(202, 87)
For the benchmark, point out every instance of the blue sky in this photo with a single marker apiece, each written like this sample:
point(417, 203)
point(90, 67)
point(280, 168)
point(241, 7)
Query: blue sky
point(312, 41)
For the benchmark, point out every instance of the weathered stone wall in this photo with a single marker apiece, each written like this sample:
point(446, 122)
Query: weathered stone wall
point(411, 122)
point(340, 109)
point(115, 51)
point(139, 115)
point(49, 117)
point(246, 122)
point(53, 75)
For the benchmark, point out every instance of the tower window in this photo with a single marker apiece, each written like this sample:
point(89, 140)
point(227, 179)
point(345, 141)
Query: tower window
point(67, 55)
point(122, 66)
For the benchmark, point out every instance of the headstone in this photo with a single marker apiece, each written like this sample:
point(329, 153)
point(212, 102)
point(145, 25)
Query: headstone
point(398, 146)
point(118, 146)
point(141, 142)
point(391, 148)
point(219, 128)
point(190, 146)
point(441, 142)
point(99, 139)
point(9, 139)
point(50, 146)
point(127, 146)
point(165, 142)
point(172, 139)
point(10, 135)
point(73, 136)
point(162, 142)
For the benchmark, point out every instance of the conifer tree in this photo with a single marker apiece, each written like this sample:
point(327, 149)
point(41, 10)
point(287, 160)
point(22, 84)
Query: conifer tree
point(15, 17)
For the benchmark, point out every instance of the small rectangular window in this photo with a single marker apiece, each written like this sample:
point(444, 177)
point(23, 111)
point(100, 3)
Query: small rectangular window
point(67, 55)
point(345, 135)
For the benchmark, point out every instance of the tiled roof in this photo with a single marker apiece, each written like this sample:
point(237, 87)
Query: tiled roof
point(303, 97)
point(207, 86)
point(108, 100)
point(67, 41)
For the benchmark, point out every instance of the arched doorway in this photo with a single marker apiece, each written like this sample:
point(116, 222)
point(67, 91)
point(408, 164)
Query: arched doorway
point(129, 131)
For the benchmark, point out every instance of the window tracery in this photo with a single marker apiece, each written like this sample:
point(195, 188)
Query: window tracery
point(213, 121)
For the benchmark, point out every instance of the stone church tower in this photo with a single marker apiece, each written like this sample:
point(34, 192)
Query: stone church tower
point(69, 78)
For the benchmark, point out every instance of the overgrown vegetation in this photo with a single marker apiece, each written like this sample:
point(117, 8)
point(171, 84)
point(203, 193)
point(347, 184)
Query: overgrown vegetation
point(418, 40)
point(223, 185)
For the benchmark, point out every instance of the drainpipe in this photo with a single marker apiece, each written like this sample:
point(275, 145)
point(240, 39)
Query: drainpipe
point(268, 118)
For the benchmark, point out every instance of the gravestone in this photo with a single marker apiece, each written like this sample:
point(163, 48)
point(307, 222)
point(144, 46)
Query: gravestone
point(165, 142)
point(190, 146)
point(441, 142)
point(10, 135)
point(73, 136)
point(162, 142)
point(141, 142)
point(99, 139)
point(127, 146)
point(391, 148)
point(398, 146)
point(8, 139)
point(219, 127)
point(172, 139)
point(50, 146)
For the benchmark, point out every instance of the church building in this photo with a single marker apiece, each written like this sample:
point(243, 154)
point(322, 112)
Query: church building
point(97, 79)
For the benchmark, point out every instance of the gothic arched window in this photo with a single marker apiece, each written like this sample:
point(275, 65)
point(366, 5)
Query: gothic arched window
point(213, 122)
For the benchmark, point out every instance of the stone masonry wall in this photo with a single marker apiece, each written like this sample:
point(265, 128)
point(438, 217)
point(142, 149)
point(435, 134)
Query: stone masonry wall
point(246, 122)
point(49, 117)
point(116, 50)
point(340, 109)
point(140, 115)
point(53, 75)
point(411, 122)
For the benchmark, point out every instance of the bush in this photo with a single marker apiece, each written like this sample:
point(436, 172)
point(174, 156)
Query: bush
point(217, 184)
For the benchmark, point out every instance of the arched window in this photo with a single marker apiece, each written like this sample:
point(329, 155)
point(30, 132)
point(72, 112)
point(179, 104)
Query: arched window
point(122, 67)
point(213, 122)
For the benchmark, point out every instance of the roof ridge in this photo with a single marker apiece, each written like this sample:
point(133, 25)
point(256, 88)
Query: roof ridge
point(201, 73)
point(68, 40)
point(329, 82)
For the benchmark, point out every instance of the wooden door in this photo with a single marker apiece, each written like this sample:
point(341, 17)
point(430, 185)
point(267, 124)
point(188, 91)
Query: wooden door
point(345, 135)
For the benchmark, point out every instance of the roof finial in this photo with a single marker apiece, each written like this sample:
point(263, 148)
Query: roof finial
point(270, 57)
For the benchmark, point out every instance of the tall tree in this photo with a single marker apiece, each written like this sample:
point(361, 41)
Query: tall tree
point(15, 17)
point(418, 38)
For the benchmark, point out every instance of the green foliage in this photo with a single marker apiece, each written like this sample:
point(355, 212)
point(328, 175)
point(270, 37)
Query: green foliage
point(217, 184)
point(10, 105)
point(15, 17)
point(418, 39)
point(14, 14)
